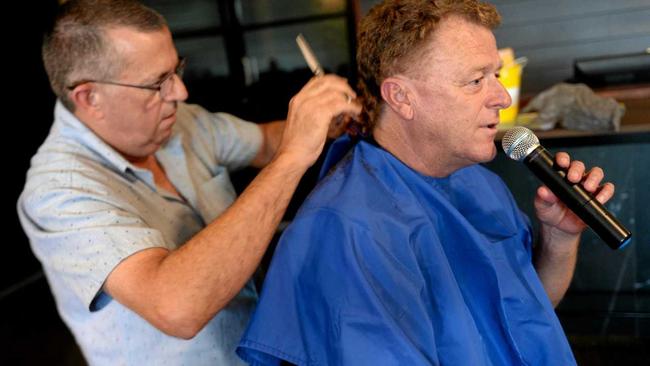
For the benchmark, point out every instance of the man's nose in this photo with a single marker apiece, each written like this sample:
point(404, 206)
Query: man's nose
point(179, 91)
point(500, 98)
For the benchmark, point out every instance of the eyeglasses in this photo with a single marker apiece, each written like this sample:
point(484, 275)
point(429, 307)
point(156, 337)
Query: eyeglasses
point(165, 86)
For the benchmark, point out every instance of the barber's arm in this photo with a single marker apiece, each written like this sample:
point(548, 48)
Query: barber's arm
point(560, 229)
point(180, 291)
point(272, 136)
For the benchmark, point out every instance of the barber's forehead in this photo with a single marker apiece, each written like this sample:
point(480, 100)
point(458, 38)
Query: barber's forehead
point(153, 48)
point(130, 41)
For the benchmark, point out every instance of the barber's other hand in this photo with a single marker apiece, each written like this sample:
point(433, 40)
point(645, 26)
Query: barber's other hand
point(553, 214)
point(311, 112)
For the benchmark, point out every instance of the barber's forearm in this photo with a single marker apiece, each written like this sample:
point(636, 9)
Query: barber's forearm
point(198, 280)
point(180, 291)
point(555, 260)
point(272, 136)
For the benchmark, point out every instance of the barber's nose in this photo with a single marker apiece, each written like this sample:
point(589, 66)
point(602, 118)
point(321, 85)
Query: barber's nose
point(179, 91)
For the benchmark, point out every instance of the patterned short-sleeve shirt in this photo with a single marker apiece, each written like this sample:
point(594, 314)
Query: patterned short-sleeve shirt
point(85, 209)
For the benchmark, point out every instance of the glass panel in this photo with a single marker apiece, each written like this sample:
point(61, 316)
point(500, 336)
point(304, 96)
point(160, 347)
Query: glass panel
point(188, 14)
point(277, 45)
point(366, 5)
point(255, 11)
point(206, 57)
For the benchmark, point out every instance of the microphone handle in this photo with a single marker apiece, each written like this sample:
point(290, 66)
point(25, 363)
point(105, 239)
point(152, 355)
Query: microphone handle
point(581, 202)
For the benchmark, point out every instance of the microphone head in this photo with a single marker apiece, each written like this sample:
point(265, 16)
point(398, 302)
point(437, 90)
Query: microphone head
point(518, 142)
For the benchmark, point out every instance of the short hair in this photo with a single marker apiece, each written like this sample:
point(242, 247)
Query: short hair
point(76, 48)
point(394, 32)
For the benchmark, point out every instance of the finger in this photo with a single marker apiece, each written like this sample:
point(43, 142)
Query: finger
point(308, 99)
point(335, 103)
point(605, 193)
point(316, 114)
point(593, 178)
point(342, 89)
point(562, 159)
point(547, 197)
point(545, 201)
point(318, 85)
point(331, 94)
point(313, 86)
point(576, 171)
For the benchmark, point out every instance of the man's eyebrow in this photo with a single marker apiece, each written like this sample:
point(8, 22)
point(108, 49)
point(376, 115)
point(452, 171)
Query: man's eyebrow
point(487, 68)
point(165, 74)
point(162, 75)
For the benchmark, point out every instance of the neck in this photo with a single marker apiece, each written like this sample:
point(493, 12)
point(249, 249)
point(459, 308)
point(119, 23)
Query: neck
point(91, 121)
point(413, 149)
point(145, 162)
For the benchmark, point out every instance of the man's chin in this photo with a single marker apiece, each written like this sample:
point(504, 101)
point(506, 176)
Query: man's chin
point(488, 157)
point(163, 138)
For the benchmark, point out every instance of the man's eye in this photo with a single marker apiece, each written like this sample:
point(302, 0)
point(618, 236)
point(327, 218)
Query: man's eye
point(476, 82)
point(158, 84)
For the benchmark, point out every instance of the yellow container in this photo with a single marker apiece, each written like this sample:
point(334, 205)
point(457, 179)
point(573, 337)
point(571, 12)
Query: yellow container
point(510, 77)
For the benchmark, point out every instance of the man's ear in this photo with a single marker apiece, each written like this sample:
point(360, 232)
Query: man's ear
point(396, 93)
point(85, 98)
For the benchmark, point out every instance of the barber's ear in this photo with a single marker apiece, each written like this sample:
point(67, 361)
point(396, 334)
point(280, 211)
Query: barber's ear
point(85, 98)
point(396, 94)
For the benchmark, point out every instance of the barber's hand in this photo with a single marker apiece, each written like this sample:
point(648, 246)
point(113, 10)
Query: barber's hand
point(553, 213)
point(311, 112)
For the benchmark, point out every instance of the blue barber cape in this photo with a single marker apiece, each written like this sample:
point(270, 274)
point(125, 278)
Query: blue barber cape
point(385, 266)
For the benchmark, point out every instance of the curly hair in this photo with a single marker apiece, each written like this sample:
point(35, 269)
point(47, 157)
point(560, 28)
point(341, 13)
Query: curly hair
point(393, 33)
point(76, 47)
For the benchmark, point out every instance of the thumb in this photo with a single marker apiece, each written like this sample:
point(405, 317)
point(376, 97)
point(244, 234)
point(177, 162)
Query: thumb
point(546, 203)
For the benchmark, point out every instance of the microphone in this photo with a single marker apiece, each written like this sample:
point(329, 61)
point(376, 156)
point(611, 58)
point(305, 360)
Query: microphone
point(521, 144)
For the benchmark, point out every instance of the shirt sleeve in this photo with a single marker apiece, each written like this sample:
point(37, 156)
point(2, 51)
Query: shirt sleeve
point(233, 141)
point(81, 234)
point(333, 296)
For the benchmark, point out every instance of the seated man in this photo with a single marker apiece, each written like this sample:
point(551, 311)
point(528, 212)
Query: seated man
point(409, 252)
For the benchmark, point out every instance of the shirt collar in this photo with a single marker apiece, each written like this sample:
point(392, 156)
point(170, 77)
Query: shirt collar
point(69, 126)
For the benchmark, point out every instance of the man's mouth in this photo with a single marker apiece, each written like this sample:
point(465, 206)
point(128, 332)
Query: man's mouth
point(170, 115)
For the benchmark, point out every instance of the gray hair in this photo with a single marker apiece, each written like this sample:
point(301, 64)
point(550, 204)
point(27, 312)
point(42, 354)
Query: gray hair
point(76, 47)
